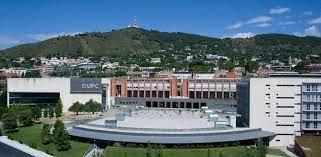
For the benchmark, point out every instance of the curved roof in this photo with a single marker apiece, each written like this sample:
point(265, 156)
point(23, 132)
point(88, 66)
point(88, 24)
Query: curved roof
point(141, 136)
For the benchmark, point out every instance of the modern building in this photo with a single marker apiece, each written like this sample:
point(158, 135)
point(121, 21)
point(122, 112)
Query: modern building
point(286, 104)
point(175, 93)
point(32, 91)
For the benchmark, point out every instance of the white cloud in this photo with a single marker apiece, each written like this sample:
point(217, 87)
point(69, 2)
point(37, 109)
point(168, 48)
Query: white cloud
point(259, 19)
point(315, 21)
point(243, 35)
point(298, 34)
point(307, 13)
point(41, 37)
point(235, 26)
point(279, 10)
point(262, 25)
point(4, 40)
point(312, 31)
point(284, 23)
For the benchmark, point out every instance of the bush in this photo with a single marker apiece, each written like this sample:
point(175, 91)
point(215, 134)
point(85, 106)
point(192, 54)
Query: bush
point(58, 108)
point(33, 145)
point(9, 121)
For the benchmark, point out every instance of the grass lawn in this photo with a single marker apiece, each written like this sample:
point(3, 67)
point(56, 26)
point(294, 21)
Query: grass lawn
point(312, 142)
point(31, 136)
point(277, 152)
point(141, 152)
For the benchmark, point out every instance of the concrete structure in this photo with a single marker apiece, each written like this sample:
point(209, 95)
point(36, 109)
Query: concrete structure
point(279, 104)
point(168, 126)
point(32, 91)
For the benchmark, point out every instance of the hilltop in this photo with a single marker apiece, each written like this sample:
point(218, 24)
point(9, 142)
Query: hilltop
point(135, 41)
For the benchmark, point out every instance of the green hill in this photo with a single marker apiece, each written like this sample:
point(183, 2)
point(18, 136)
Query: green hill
point(132, 41)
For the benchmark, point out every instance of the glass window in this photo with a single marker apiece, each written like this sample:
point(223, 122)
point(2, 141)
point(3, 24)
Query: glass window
point(308, 106)
point(315, 107)
point(315, 115)
point(307, 125)
point(308, 115)
point(315, 125)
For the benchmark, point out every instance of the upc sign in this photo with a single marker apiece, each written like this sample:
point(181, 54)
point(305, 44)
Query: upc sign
point(85, 85)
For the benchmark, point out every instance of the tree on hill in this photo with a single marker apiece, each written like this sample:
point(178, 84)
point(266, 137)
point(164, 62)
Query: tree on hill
point(76, 107)
point(60, 136)
point(301, 66)
point(45, 134)
point(58, 108)
point(32, 74)
point(9, 121)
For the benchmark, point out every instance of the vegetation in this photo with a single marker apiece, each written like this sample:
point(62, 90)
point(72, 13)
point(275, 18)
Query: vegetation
point(9, 121)
point(210, 152)
point(276, 152)
point(90, 106)
point(32, 135)
point(32, 74)
point(60, 136)
point(137, 46)
point(58, 109)
point(45, 134)
point(76, 107)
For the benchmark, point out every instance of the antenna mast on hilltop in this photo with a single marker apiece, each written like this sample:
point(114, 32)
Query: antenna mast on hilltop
point(134, 25)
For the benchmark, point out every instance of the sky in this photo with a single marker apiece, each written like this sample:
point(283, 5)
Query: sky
point(26, 21)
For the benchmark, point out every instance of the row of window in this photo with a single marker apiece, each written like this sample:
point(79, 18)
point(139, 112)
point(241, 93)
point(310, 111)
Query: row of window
point(315, 106)
point(312, 87)
point(315, 115)
point(315, 125)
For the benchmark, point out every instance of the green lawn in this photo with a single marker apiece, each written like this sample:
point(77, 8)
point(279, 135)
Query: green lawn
point(277, 152)
point(31, 136)
point(312, 142)
point(141, 152)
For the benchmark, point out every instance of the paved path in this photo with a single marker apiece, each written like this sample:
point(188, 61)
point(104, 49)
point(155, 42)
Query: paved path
point(286, 151)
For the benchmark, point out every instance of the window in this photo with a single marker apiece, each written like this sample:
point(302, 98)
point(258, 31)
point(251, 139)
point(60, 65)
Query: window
point(308, 87)
point(307, 125)
point(315, 125)
point(315, 115)
point(308, 106)
point(308, 115)
point(315, 107)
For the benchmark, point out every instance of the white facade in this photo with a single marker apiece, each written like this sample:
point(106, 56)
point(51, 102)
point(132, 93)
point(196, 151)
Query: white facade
point(275, 105)
point(56, 85)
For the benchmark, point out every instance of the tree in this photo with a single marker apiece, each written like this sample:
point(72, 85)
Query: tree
point(76, 107)
point(32, 74)
point(58, 108)
point(25, 118)
point(301, 66)
point(36, 112)
point(45, 113)
point(149, 150)
point(51, 112)
point(92, 106)
point(9, 121)
point(261, 149)
point(45, 134)
point(60, 136)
